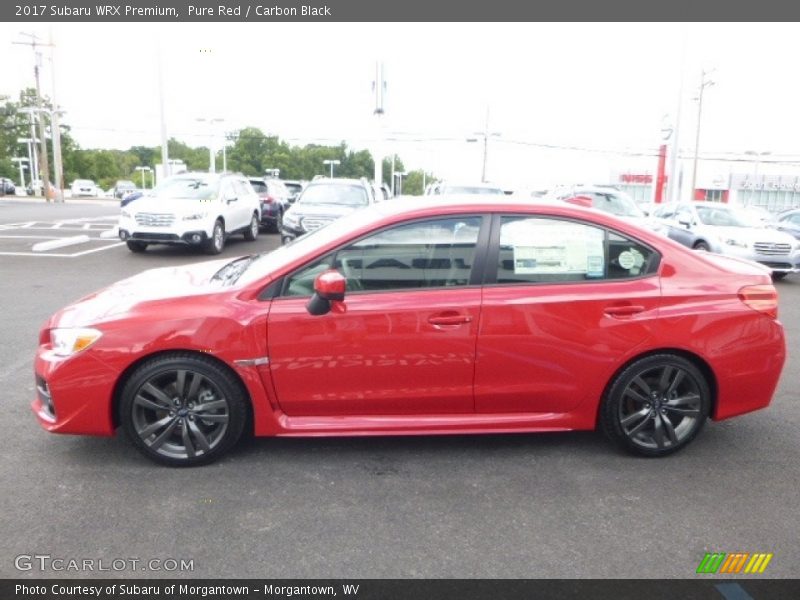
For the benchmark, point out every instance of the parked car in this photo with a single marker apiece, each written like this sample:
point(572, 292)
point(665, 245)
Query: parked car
point(294, 188)
point(723, 229)
point(323, 201)
point(610, 200)
point(274, 198)
point(7, 187)
point(35, 187)
point(195, 209)
point(84, 187)
point(449, 187)
point(426, 316)
point(122, 188)
point(788, 221)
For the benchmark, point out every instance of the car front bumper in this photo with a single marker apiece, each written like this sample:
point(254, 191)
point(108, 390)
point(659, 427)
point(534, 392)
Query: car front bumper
point(73, 395)
point(777, 262)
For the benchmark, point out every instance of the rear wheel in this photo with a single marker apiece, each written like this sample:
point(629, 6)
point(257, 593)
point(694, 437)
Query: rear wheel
point(278, 222)
point(137, 246)
point(216, 243)
point(182, 410)
point(656, 406)
point(251, 233)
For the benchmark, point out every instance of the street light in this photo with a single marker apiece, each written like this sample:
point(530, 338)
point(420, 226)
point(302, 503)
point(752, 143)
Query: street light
point(21, 163)
point(331, 163)
point(143, 170)
point(704, 83)
point(400, 175)
point(212, 162)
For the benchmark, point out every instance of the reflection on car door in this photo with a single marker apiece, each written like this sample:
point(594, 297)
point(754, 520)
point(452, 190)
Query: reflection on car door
point(405, 343)
point(564, 302)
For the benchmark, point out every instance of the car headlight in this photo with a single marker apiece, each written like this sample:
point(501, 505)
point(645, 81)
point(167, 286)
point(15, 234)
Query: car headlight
point(71, 340)
point(736, 243)
point(195, 216)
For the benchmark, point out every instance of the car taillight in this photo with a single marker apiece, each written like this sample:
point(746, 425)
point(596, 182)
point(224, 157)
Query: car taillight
point(267, 199)
point(762, 298)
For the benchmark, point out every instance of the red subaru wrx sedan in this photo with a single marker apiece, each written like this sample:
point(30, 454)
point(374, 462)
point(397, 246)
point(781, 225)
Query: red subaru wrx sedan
point(453, 315)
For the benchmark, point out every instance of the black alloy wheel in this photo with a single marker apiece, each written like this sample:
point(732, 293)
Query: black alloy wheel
point(182, 410)
point(657, 405)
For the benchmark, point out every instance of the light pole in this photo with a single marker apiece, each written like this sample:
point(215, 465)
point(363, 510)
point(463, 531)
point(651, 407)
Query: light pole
point(212, 155)
point(756, 161)
point(31, 157)
point(143, 170)
point(704, 83)
point(21, 163)
point(331, 163)
point(400, 175)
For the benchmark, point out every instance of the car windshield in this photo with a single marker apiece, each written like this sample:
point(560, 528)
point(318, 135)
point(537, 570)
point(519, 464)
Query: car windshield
point(468, 189)
point(720, 216)
point(617, 204)
point(347, 195)
point(84, 182)
point(295, 188)
point(190, 188)
point(259, 186)
point(126, 184)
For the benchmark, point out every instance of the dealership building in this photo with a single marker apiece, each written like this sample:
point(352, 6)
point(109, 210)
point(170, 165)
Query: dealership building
point(773, 186)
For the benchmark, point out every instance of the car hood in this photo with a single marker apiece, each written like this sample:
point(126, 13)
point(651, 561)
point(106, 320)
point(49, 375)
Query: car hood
point(151, 204)
point(154, 285)
point(321, 210)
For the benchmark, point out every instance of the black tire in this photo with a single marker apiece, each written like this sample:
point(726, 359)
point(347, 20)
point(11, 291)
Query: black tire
point(137, 247)
point(162, 411)
point(251, 233)
point(701, 246)
point(276, 228)
point(216, 243)
point(656, 406)
point(777, 276)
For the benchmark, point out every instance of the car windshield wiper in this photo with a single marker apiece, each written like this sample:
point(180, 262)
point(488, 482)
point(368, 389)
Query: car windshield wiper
point(233, 270)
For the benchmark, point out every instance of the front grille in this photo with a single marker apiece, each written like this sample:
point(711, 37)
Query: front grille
point(155, 237)
point(43, 393)
point(155, 219)
point(778, 265)
point(312, 223)
point(771, 249)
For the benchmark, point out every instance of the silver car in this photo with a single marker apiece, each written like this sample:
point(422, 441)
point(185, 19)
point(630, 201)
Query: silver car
point(725, 229)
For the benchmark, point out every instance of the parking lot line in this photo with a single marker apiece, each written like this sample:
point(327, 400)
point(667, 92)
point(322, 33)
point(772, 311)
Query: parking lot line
point(60, 243)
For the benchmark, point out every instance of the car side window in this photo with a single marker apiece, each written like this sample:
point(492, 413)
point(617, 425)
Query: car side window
point(546, 250)
point(425, 254)
point(228, 191)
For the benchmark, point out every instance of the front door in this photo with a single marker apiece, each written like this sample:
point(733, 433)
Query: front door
point(405, 343)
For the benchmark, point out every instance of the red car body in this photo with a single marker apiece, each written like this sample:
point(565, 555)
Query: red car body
point(472, 359)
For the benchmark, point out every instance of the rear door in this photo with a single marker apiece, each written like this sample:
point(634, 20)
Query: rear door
point(563, 303)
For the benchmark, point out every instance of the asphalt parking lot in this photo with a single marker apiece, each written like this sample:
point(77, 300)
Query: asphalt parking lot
point(515, 506)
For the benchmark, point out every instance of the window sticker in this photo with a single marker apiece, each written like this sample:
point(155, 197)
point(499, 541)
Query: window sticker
point(626, 260)
point(553, 247)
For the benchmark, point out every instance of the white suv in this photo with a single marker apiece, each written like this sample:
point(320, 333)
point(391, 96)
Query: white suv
point(195, 209)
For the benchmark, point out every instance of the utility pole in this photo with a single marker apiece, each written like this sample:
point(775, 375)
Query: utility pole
point(37, 64)
point(58, 167)
point(379, 87)
point(166, 171)
point(486, 135)
point(673, 170)
point(704, 83)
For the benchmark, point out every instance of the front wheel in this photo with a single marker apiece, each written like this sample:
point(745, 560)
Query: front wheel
point(182, 410)
point(702, 246)
point(216, 243)
point(656, 406)
point(251, 233)
point(777, 275)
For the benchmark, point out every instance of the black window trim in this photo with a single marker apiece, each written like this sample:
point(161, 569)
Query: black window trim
point(493, 254)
